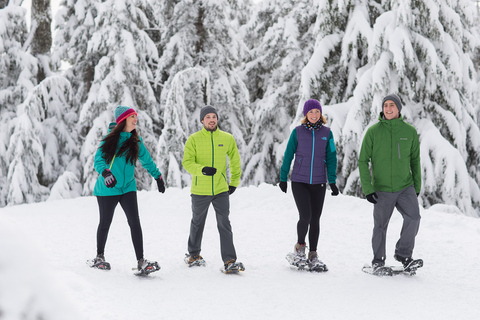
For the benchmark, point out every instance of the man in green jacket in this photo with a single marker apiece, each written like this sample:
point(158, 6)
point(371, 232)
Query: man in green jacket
point(392, 148)
point(205, 158)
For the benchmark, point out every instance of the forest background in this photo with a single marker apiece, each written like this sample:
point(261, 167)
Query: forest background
point(257, 62)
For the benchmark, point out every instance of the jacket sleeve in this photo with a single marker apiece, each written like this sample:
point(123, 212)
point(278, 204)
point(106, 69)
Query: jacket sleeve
point(415, 165)
point(288, 156)
point(331, 159)
point(189, 158)
point(234, 163)
point(363, 163)
point(146, 160)
point(99, 163)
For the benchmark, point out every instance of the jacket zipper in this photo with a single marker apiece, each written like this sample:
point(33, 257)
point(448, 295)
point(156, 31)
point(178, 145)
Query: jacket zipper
point(399, 154)
point(313, 153)
point(213, 160)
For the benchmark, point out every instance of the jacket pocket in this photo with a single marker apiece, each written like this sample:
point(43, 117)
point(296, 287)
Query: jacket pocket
point(403, 149)
point(297, 164)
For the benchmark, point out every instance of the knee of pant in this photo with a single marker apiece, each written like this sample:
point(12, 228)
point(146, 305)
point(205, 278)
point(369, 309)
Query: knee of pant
point(134, 223)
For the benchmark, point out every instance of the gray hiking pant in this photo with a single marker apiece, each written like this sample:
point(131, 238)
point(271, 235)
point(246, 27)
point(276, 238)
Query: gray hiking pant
point(406, 203)
point(221, 204)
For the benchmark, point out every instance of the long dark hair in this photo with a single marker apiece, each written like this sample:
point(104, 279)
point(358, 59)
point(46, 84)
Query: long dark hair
point(129, 148)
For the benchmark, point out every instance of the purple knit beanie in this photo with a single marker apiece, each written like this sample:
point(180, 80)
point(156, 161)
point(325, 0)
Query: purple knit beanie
point(311, 104)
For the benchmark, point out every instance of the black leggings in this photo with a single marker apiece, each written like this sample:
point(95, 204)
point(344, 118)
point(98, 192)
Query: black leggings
point(107, 205)
point(309, 199)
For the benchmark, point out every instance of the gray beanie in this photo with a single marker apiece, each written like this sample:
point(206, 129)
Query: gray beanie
point(395, 99)
point(206, 110)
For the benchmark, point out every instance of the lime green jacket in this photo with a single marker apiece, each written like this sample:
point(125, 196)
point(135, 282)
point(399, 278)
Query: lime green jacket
point(211, 149)
point(123, 171)
point(393, 149)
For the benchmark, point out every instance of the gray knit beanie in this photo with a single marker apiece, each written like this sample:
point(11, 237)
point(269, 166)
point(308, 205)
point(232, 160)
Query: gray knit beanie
point(206, 110)
point(395, 99)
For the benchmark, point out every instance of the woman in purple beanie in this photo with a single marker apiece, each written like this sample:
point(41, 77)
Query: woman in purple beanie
point(313, 147)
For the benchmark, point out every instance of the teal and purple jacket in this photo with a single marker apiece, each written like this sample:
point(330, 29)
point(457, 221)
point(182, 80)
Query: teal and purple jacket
point(315, 156)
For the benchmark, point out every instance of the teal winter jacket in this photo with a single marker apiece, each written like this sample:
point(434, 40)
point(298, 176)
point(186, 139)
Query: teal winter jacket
point(123, 171)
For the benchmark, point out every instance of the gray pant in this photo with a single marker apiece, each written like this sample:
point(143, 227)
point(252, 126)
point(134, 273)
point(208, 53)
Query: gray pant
point(406, 203)
point(221, 204)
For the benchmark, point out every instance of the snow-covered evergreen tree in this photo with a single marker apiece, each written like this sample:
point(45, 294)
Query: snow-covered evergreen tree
point(122, 77)
point(421, 50)
point(25, 152)
point(44, 142)
point(18, 71)
point(41, 34)
point(74, 26)
point(189, 92)
point(204, 34)
point(282, 41)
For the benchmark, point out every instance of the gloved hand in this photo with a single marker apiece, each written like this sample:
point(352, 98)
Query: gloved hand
point(209, 171)
point(283, 186)
point(160, 184)
point(231, 189)
point(110, 180)
point(418, 194)
point(334, 189)
point(371, 197)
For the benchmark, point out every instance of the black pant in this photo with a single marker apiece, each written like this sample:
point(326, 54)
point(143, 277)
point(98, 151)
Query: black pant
point(107, 205)
point(309, 199)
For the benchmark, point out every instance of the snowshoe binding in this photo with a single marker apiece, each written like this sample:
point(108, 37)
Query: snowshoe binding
point(194, 261)
point(232, 266)
point(99, 262)
point(298, 257)
point(378, 269)
point(145, 267)
point(314, 264)
point(410, 265)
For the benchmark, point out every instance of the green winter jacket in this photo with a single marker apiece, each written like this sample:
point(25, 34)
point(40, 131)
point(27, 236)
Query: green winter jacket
point(124, 172)
point(393, 149)
point(210, 149)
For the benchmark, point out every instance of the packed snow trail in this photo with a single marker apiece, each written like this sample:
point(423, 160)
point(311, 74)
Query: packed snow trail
point(44, 247)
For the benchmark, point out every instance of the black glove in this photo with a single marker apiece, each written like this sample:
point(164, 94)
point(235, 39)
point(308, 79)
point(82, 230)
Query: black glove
point(418, 194)
point(209, 171)
point(160, 184)
point(231, 189)
point(110, 180)
point(371, 197)
point(283, 186)
point(334, 189)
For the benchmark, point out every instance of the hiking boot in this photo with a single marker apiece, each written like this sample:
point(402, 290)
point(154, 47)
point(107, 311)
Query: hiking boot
point(299, 251)
point(377, 264)
point(314, 263)
point(405, 261)
point(145, 266)
point(230, 266)
point(99, 258)
point(99, 262)
point(193, 259)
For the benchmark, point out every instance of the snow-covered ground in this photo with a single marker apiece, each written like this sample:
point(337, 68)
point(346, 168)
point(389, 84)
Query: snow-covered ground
point(44, 246)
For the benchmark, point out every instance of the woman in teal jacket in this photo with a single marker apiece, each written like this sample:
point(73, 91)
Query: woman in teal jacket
point(115, 162)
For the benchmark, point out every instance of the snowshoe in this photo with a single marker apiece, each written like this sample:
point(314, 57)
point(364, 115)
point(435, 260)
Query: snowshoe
point(378, 270)
point(99, 262)
point(194, 261)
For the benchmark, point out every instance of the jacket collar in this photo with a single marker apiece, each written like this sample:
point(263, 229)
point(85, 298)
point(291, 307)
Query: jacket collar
point(206, 132)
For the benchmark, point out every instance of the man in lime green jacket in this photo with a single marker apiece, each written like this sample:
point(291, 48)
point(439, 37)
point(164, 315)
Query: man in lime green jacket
point(392, 148)
point(205, 158)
